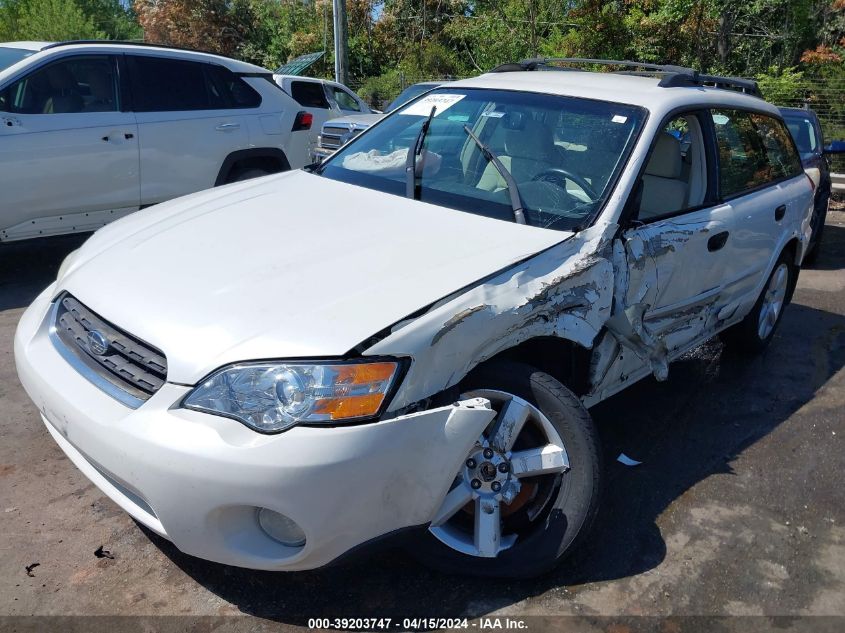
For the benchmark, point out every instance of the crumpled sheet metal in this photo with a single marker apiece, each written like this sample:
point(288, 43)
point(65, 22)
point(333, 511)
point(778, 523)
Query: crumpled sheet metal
point(566, 291)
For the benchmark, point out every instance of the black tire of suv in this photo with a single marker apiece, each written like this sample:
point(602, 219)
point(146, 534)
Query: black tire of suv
point(247, 173)
point(565, 524)
point(744, 336)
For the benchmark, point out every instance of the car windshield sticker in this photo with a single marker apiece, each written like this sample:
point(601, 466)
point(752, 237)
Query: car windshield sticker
point(720, 119)
point(423, 106)
point(493, 115)
point(618, 118)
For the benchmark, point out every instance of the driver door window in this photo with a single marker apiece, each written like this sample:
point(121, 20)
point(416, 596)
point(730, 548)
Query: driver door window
point(76, 85)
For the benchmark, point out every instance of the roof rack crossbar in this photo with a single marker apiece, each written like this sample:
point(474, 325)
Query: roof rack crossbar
point(670, 76)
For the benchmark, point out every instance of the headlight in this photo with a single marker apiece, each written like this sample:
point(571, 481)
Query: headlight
point(66, 263)
point(271, 397)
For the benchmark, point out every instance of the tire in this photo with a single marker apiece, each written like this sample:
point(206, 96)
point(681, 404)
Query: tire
point(247, 173)
point(749, 336)
point(551, 513)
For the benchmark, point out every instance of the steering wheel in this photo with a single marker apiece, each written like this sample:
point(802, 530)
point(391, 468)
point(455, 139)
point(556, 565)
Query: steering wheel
point(559, 176)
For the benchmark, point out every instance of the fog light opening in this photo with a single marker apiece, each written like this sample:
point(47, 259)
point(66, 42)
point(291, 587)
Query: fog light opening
point(281, 528)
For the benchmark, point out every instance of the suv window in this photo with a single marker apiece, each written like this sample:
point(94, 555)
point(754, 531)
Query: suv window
point(345, 100)
point(78, 84)
point(754, 150)
point(172, 85)
point(309, 94)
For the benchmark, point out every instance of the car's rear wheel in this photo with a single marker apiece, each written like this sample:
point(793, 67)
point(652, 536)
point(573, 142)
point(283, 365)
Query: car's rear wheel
point(757, 329)
point(528, 490)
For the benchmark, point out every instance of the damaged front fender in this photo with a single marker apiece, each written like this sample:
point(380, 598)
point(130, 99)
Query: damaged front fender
point(566, 291)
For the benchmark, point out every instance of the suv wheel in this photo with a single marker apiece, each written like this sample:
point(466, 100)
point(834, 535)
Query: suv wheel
point(757, 329)
point(528, 490)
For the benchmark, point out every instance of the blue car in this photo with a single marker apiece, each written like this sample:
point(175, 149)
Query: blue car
point(806, 131)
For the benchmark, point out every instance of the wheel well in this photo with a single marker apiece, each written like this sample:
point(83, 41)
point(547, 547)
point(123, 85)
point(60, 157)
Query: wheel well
point(564, 360)
point(270, 159)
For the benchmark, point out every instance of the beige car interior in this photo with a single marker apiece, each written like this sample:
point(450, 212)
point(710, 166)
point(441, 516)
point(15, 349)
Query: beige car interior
point(674, 180)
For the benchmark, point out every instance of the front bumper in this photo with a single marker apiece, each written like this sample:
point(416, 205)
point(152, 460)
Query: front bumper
point(199, 479)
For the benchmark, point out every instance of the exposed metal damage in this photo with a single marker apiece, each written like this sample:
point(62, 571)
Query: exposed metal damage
point(596, 290)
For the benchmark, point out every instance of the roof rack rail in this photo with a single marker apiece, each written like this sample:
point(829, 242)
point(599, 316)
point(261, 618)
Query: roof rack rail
point(670, 76)
point(128, 43)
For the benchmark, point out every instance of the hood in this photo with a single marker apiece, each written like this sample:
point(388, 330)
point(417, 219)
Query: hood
point(288, 266)
point(355, 121)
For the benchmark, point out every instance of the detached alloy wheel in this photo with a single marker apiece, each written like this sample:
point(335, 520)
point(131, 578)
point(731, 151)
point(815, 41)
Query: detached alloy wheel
point(528, 490)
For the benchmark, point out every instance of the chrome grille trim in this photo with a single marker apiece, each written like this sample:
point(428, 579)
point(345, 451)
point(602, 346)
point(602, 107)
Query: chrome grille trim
point(332, 137)
point(130, 374)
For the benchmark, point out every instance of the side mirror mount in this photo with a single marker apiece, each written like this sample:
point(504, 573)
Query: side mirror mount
point(835, 147)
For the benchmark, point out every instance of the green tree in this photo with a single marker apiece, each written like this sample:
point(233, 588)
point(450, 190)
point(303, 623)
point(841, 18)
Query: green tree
point(55, 20)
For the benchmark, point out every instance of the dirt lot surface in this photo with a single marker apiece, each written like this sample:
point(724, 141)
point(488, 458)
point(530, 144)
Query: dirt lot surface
point(738, 506)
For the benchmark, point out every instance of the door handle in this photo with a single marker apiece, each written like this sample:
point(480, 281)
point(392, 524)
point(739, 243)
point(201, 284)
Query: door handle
point(717, 241)
point(115, 136)
point(780, 212)
point(225, 127)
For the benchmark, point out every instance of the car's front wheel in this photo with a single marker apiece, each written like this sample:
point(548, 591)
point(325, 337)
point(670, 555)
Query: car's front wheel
point(528, 490)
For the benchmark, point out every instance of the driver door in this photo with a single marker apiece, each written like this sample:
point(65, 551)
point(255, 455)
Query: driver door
point(675, 246)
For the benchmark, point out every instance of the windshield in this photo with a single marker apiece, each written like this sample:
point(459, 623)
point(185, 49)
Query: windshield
point(9, 56)
point(804, 134)
point(407, 94)
point(562, 152)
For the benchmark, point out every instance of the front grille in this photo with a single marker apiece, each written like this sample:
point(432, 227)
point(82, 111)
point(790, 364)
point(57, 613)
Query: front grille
point(126, 368)
point(334, 137)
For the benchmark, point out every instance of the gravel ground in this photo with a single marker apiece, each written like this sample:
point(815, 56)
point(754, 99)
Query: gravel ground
point(737, 509)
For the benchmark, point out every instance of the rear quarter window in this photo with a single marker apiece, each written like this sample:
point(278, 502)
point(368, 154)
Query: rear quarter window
point(754, 150)
point(309, 94)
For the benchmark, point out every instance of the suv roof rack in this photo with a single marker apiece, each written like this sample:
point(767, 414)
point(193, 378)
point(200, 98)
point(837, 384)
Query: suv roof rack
point(128, 43)
point(670, 76)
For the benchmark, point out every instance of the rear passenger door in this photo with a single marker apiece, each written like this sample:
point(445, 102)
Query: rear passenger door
point(188, 123)
point(763, 184)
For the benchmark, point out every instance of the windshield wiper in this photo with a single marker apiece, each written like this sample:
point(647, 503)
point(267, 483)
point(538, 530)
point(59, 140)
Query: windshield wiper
point(411, 161)
point(516, 200)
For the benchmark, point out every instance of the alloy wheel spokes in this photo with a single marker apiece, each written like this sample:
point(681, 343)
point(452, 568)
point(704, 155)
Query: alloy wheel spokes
point(457, 498)
point(488, 527)
point(509, 423)
point(470, 518)
point(544, 460)
point(773, 301)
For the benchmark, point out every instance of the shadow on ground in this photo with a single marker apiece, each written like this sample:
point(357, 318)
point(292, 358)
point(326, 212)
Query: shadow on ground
point(27, 267)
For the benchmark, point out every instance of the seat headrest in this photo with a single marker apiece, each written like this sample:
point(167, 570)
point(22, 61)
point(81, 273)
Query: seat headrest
point(665, 160)
point(533, 140)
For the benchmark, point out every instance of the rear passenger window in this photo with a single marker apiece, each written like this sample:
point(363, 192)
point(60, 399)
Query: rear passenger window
point(754, 150)
point(309, 94)
point(174, 85)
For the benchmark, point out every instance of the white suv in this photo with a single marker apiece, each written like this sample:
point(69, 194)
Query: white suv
point(92, 131)
point(276, 373)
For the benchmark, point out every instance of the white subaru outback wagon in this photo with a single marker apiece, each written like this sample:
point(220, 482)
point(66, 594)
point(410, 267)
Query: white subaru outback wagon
point(410, 336)
point(91, 131)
